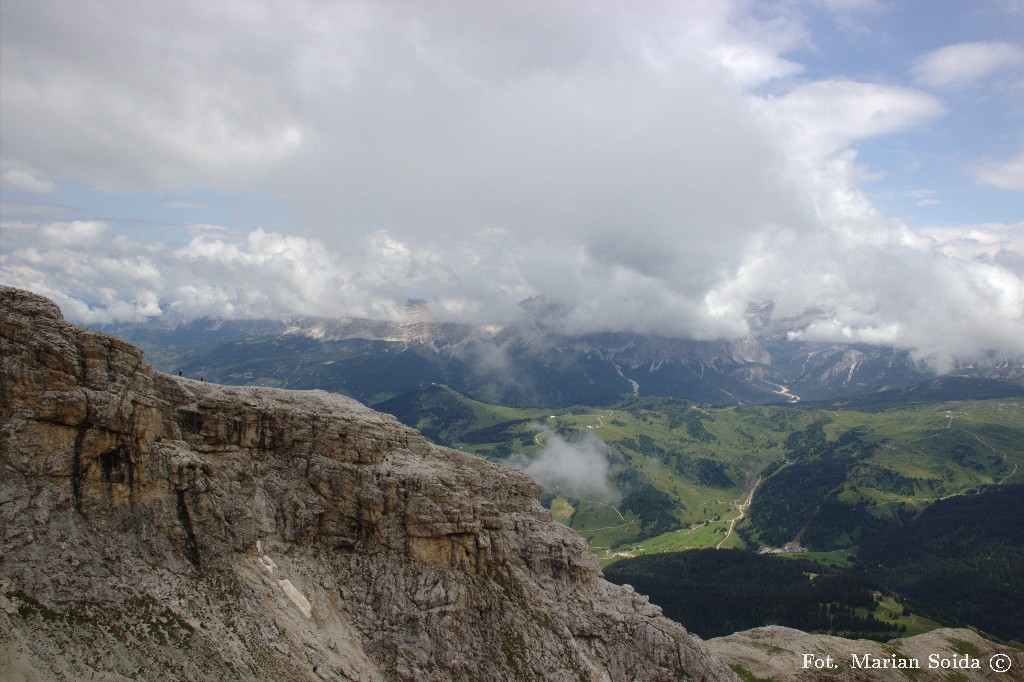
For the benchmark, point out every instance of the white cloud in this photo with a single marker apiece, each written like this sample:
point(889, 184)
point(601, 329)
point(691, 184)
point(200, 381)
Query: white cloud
point(615, 157)
point(826, 116)
point(77, 233)
point(977, 242)
point(22, 180)
point(577, 468)
point(148, 95)
point(964, 63)
point(1004, 174)
point(292, 276)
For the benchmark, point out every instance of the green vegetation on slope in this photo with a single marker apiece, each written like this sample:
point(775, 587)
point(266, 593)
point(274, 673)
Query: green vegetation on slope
point(853, 473)
point(824, 475)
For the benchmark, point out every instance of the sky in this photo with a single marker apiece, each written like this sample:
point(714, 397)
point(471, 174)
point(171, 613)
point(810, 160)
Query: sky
point(649, 166)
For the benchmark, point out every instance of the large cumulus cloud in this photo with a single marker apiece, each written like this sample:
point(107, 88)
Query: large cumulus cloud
point(654, 168)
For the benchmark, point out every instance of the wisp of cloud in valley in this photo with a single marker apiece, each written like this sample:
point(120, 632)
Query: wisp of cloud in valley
point(576, 468)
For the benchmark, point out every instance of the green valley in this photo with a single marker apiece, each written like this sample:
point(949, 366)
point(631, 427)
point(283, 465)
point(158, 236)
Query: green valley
point(820, 474)
point(848, 490)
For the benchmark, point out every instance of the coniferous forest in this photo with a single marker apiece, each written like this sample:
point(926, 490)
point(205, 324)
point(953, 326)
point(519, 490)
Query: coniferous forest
point(715, 593)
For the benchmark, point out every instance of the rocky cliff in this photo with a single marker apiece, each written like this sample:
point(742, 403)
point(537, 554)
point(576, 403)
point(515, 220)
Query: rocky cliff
point(156, 527)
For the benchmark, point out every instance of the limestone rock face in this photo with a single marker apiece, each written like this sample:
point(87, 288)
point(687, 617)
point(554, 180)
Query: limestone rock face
point(778, 653)
point(155, 527)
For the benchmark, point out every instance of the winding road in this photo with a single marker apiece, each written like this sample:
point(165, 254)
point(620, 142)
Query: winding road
point(743, 511)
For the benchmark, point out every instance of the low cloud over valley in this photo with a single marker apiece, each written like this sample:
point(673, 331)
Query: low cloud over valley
point(578, 468)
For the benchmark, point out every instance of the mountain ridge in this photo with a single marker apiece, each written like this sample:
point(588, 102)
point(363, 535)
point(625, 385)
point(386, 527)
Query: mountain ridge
point(160, 527)
point(533, 363)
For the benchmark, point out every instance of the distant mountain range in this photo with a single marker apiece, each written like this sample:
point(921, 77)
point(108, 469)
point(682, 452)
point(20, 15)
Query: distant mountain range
point(532, 363)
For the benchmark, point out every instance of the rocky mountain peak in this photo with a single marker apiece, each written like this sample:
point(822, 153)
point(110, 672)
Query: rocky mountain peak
point(156, 527)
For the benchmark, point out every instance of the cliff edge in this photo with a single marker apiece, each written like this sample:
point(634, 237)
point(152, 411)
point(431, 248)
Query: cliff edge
point(161, 528)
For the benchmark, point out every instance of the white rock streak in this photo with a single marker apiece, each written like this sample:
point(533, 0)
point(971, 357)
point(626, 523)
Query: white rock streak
point(286, 586)
point(297, 598)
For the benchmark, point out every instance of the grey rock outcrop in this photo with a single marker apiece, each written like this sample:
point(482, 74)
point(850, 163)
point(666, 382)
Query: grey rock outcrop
point(778, 653)
point(155, 527)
